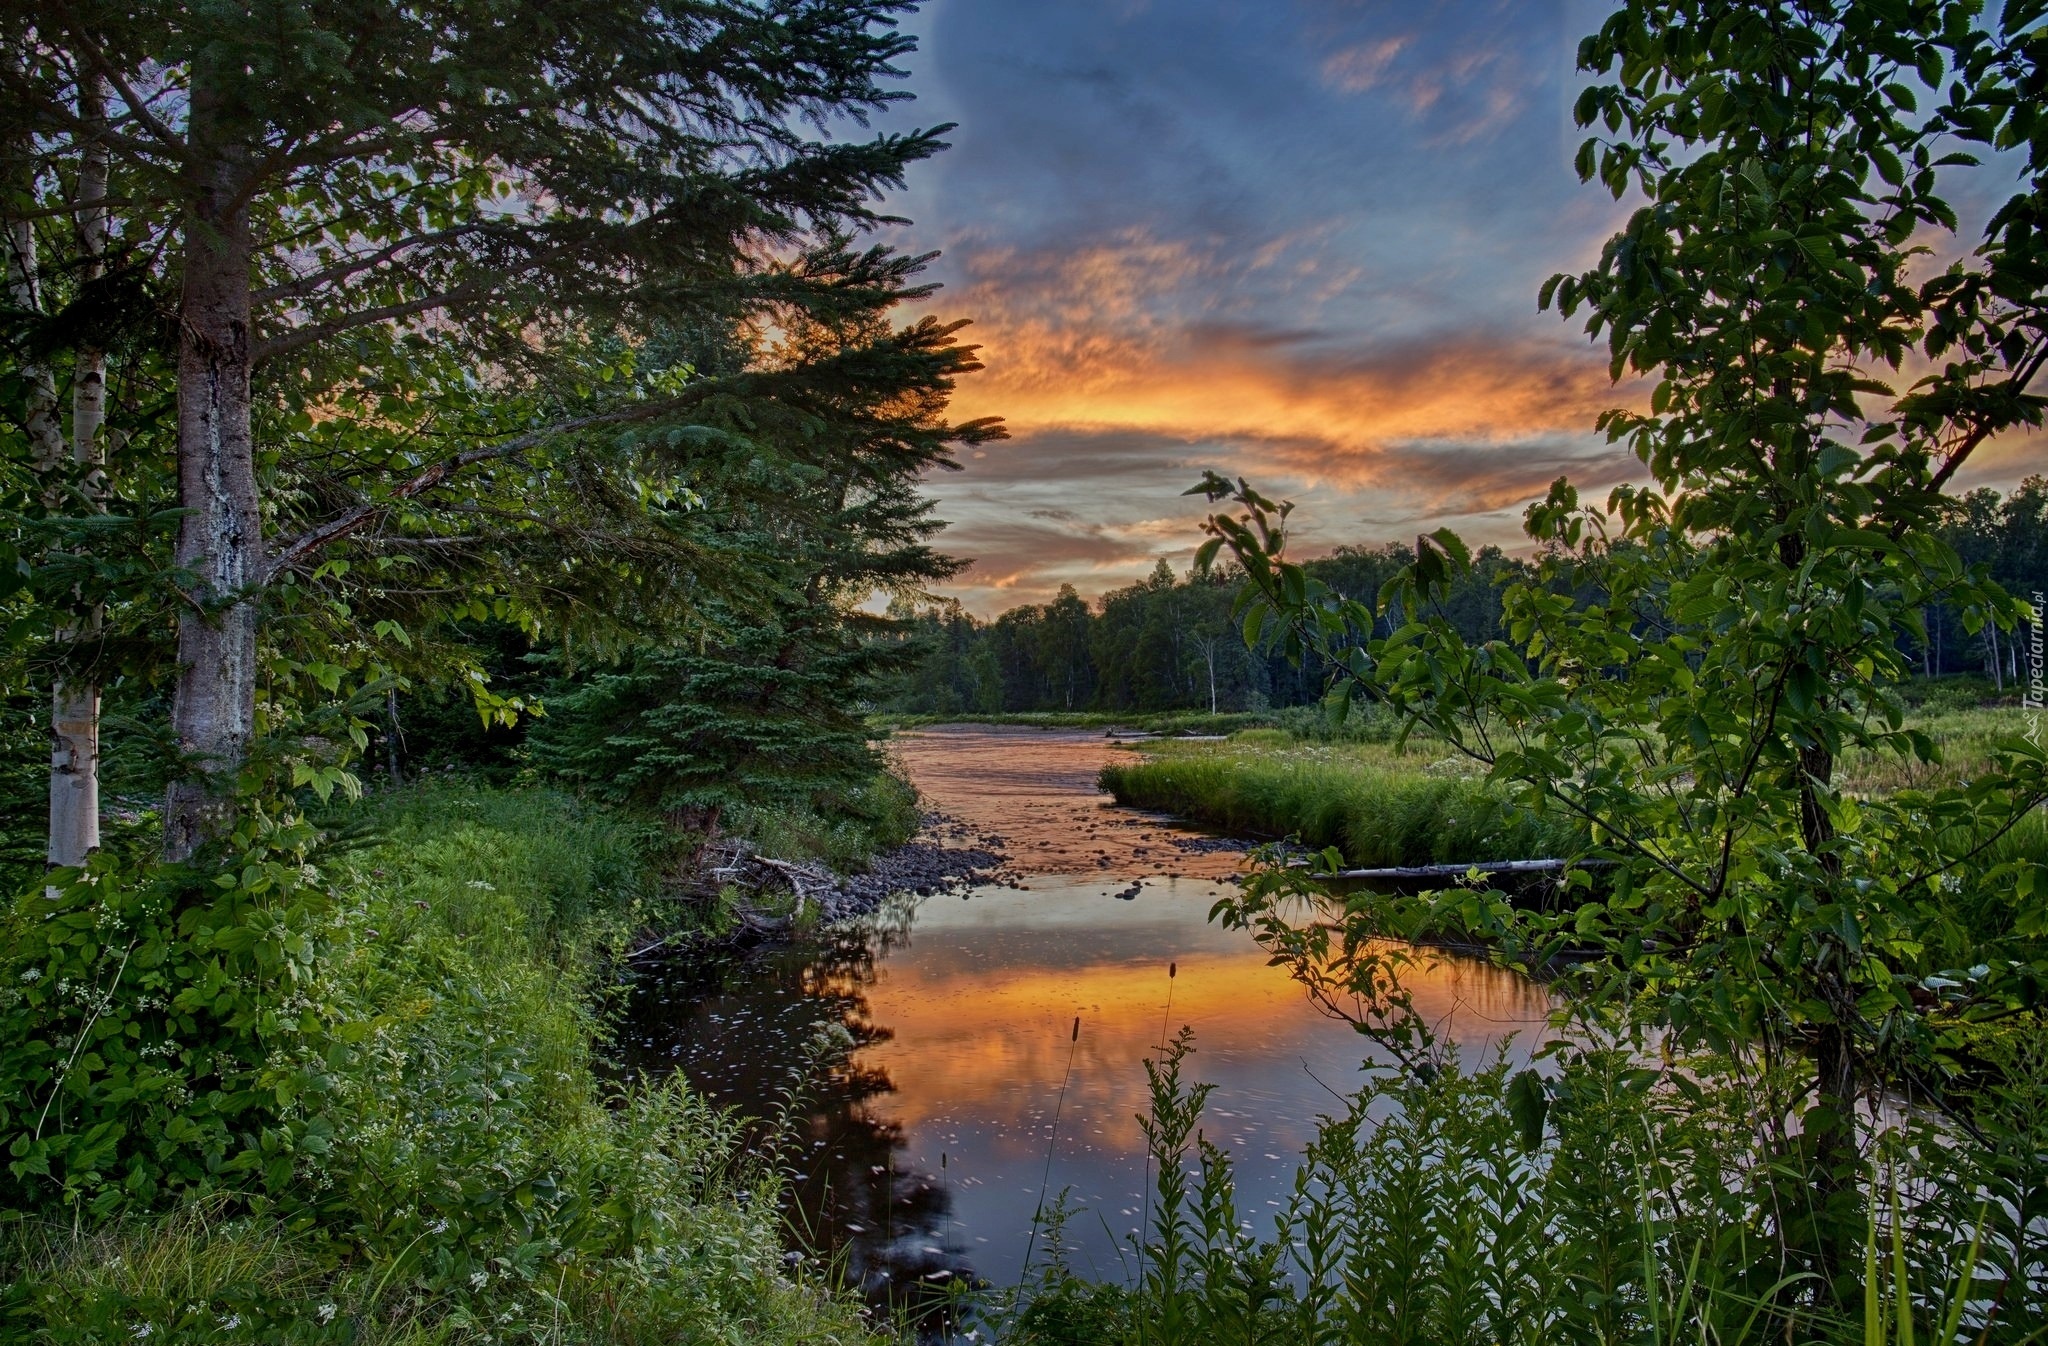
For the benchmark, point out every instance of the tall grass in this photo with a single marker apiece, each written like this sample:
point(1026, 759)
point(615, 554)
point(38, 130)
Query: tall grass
point(1611, 1202)
point(472, 1178)
point(1966, 737)
point(1375, 806)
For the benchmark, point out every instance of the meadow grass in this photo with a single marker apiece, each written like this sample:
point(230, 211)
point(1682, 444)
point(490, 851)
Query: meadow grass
point(1382, 806)
point(1966, 739)
point(477, 1179)
point(1145, 721)
point(1377, 806)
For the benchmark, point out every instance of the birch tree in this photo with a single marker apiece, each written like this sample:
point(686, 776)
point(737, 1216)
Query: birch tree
point(70, 208)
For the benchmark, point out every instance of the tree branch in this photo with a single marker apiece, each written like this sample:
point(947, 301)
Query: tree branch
point(313, 539)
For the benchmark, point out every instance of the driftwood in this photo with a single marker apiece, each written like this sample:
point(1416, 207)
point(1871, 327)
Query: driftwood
point(1398, 873)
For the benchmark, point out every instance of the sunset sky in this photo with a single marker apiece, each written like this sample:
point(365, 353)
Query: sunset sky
point(1297, 240)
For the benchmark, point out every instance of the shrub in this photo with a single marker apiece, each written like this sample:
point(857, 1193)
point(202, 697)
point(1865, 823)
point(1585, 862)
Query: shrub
point(479, 1180)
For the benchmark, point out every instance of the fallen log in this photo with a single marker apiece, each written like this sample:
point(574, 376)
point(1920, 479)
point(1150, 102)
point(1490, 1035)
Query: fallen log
point(1396, 873)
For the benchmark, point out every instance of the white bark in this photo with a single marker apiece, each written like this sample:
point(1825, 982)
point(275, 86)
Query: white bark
point(75, 701)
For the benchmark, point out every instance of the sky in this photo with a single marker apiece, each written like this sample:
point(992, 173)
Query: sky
point(1298, 241)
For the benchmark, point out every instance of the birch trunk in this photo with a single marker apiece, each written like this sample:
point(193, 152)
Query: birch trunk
point(75, 700)
point(213, 710)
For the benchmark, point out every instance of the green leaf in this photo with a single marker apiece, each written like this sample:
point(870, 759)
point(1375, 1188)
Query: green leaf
point(1529, 1104)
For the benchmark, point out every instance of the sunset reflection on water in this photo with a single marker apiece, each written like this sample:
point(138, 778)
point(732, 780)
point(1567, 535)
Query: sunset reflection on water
point(927, 1149)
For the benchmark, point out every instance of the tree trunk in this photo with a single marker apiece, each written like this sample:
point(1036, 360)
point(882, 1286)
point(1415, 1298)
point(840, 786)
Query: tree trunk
point(391, 763)
point(1832, 1154)
point(24, 292)
point(75, 700)
point(213, 710)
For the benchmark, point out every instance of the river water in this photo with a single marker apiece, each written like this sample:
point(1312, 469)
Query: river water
point(924, 1152)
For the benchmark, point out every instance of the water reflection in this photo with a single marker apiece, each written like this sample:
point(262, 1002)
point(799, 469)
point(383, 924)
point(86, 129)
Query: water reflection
point(925, 1149)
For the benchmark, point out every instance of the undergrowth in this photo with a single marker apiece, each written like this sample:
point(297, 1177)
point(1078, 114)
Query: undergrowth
point(477, 1181)
point(1608, 1198)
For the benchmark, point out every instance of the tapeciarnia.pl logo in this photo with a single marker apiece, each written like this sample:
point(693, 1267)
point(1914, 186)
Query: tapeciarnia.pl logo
point(2031, 696)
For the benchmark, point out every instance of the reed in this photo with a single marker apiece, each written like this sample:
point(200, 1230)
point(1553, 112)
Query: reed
point(1051, 1141)
point(1375, 806)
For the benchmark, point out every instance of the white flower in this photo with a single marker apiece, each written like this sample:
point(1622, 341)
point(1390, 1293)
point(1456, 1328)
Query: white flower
point(32, 974)
point(438, 1227)
point(482, 886)
point(231, 1322)
point(479, 1279)
point(140, 1330)
point(325, 1313)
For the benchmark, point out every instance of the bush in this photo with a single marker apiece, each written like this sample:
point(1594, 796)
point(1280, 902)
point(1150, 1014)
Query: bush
point(158, 1025)
point(844, 829)
point(479, 1181)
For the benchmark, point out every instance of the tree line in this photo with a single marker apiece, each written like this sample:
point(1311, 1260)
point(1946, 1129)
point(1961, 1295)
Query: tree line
point(1172, 642)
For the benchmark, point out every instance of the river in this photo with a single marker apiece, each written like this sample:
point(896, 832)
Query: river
point(924, 1151)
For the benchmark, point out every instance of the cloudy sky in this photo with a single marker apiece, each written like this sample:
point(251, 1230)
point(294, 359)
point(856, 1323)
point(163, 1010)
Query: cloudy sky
point(1295, 240)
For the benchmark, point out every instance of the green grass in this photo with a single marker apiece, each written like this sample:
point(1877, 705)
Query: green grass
point(1375, 806)
point(477, 1180)
point(843, 833)
point(1346, 786)
point(1965, 737)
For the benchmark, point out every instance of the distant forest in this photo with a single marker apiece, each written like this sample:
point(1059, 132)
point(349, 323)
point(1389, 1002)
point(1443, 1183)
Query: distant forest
point(1169, 642)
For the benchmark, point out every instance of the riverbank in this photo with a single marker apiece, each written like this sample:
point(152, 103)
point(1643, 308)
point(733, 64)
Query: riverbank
point(468, 1173)
point(1375, 805)
point(1381, 806)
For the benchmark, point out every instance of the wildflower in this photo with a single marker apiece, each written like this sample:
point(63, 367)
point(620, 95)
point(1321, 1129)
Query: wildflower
point(479, 1279)
point(231, 1322)
point(32, 974)
point(140, 1330)
point(438, 1227)
point(325, 1313)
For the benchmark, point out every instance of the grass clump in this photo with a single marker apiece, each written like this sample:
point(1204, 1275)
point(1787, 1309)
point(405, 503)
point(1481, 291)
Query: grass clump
point(468, 1176)
point(843, 832)
point(1376, 806)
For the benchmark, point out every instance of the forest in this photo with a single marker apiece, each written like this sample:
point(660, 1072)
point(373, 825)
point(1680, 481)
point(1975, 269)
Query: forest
point(468, 545)
point(1170, 643)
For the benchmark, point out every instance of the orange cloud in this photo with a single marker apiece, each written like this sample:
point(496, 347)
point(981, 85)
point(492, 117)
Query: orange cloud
point(1127, 367)
point(1098, 340)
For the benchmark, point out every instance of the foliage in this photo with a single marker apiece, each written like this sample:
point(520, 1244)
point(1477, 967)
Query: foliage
point(1604, 1196)
point(160, 1026)
point(1750, 613)
point(842, 828)
point(1149, 646)
point(483, 1180)
point(765, 709)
